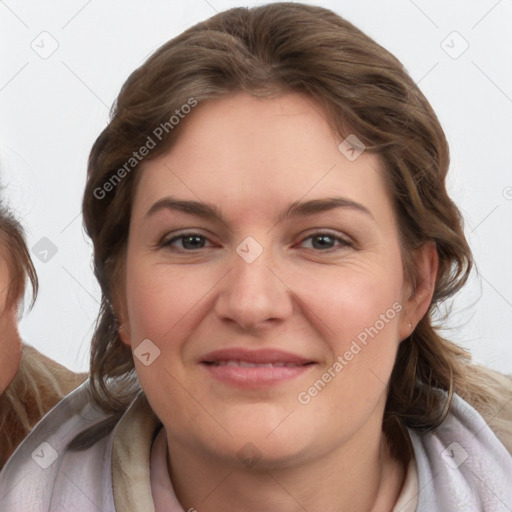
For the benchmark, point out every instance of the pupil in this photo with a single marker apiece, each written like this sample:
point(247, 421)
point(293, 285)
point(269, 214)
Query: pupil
point(325, 241)
point(193, 242)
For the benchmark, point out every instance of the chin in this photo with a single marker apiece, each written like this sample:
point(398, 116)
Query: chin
point(259, 454)
point(260, 421)
point(263, 446)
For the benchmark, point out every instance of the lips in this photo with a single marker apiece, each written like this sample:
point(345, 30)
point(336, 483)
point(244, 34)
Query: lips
point(247, 364)
point(245, 357)
point(254, 368)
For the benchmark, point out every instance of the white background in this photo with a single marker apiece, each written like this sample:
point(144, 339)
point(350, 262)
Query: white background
point(54, 108)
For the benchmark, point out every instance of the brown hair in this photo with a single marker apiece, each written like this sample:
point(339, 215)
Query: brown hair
point(267, 51)
point(17, 257)
point(39, 383)
point(17, 414)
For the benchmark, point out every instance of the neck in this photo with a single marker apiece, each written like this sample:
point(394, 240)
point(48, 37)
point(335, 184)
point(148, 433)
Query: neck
point(359, 475)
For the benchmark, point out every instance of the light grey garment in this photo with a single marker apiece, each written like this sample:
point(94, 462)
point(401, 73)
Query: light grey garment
point(462, 466)
point(42, 475)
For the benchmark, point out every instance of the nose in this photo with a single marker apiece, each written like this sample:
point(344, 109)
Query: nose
point(253, 295)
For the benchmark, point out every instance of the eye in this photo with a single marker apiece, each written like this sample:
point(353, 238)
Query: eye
point(325, 241)
point(320, 241)
point(186, 242)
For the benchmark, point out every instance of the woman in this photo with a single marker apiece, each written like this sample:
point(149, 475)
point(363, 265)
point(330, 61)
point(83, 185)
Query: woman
point(272, 235)
point(30, 383)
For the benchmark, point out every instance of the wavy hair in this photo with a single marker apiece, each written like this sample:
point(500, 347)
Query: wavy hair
point(39, 382)
point(268, 51)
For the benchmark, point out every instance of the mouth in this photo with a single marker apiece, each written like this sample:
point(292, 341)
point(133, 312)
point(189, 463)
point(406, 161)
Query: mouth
point(254, 369)
point(248, 364)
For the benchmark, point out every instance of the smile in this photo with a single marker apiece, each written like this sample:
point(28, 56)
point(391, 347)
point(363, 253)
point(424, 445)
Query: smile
point(248, 364)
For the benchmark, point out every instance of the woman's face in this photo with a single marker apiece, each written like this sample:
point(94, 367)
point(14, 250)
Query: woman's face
point(10, 341)
point(264, 284)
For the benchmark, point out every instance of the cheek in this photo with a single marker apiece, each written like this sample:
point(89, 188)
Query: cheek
point(161, 298)
point(359, 327)
point(355, 311)
point(343, 301)
point(362, 305)
point(165, 304)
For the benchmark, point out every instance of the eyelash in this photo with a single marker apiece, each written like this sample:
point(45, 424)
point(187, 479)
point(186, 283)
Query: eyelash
point(343, 243)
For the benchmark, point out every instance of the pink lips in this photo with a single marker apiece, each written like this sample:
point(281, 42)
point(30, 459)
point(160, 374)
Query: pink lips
point(254, 368)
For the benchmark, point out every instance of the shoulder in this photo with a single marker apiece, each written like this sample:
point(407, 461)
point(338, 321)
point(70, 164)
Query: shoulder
point(468, 442)
point(42, 471)
point(497, 412)
point(65, 379)
point(39, 385)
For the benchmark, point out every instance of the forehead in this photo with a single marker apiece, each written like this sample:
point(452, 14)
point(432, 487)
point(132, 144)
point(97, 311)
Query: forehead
point(240, 151)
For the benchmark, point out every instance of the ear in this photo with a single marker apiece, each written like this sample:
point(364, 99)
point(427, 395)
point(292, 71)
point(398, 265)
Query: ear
point(119, 303)
point(417, 302)
point(120, 310)
point(124, 333)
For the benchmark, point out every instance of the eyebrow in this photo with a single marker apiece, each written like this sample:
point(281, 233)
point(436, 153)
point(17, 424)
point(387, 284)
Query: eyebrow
point(296, 209)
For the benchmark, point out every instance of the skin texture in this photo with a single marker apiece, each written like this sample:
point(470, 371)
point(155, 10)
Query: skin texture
point(252, 158)
point(10, 341)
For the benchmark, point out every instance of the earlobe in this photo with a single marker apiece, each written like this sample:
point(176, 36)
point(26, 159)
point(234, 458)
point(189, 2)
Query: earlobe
point(119, 309)
point(124, 333)
point(120, 314)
